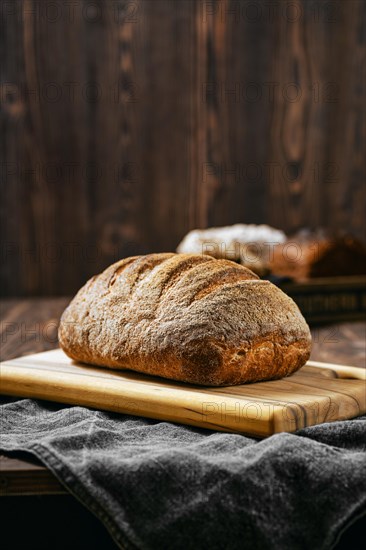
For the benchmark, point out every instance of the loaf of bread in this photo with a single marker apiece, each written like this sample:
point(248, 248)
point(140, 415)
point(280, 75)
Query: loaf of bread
point(311, 257)
point(250, 245)
point(186, 317)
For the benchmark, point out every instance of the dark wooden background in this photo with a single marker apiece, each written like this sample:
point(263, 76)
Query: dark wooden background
point(126, 123)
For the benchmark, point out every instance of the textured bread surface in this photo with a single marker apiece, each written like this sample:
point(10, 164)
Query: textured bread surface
point(186, 317)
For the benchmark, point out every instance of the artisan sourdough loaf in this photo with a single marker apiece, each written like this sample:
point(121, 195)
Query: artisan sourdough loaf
point(187, 317)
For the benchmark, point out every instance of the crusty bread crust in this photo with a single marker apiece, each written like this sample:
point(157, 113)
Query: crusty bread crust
point(187, 317)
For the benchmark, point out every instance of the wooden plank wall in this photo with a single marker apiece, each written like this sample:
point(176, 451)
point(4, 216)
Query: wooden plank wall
point(125, 123)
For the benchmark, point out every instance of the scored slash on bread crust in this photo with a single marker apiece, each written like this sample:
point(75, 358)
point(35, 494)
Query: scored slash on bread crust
point(186, 317)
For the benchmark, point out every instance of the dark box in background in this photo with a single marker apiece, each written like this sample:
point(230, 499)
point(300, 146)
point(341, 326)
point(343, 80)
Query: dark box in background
point(330, 299)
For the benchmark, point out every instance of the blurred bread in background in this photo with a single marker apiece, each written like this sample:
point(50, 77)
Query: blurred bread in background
point(250, 245)
point(269, 252)
point(307, 256)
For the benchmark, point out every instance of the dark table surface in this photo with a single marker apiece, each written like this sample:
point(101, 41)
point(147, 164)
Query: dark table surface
point(30, 326)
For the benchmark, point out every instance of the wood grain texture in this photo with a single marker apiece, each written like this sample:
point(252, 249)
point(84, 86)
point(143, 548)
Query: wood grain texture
point(29, 326)
point(342, 343)
point(19, 477)
point(310, 396)
point(127, 123)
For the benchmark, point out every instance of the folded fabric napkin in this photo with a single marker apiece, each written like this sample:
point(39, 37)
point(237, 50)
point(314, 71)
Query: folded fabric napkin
point(161, 485)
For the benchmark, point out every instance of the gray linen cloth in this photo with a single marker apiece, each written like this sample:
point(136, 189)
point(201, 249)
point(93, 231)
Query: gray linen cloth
point(161, 485)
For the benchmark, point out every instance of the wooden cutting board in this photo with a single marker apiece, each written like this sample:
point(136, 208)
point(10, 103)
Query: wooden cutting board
point(317, 393)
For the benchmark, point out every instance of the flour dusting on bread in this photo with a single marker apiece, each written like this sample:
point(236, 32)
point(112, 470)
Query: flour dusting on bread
point(186, 317)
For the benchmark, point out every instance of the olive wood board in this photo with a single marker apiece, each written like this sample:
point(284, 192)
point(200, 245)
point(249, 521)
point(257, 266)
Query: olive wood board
point(317, 393)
